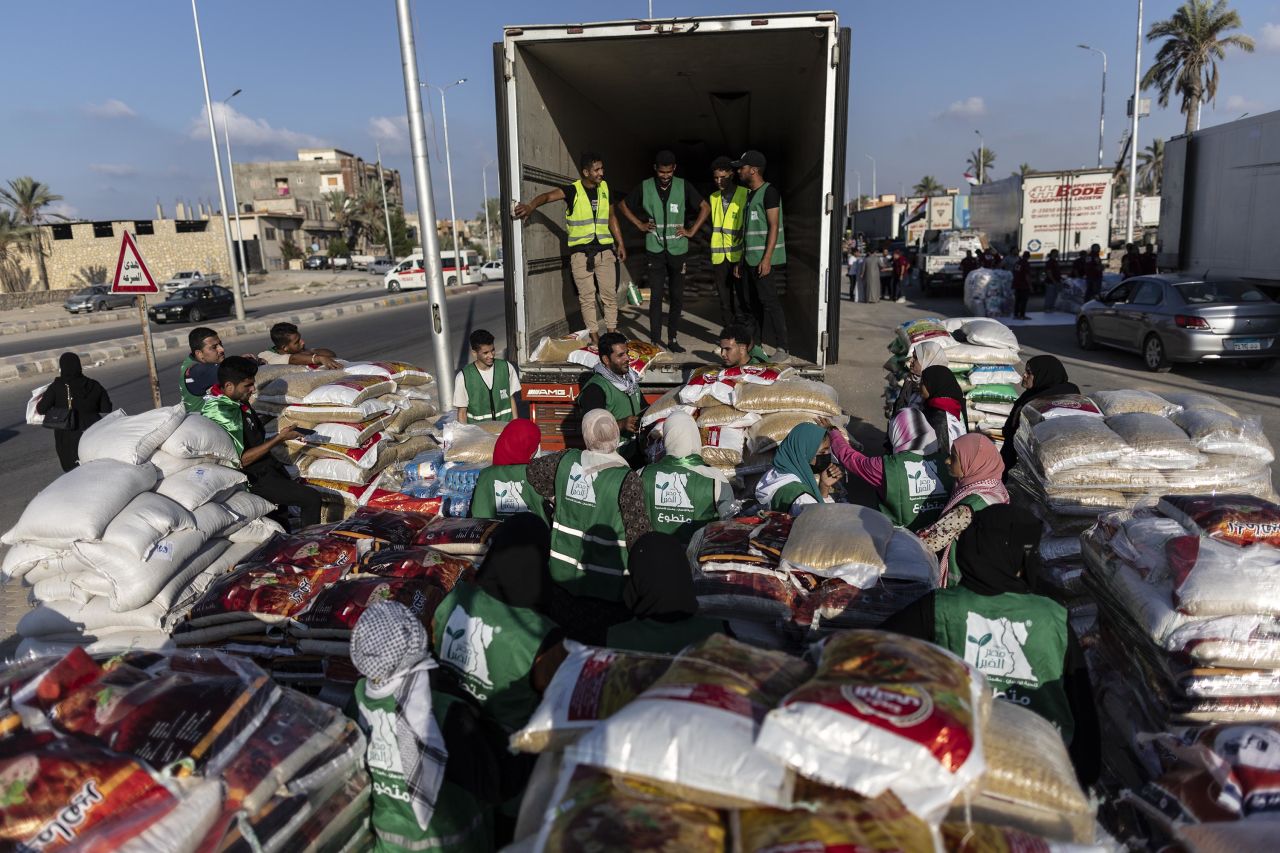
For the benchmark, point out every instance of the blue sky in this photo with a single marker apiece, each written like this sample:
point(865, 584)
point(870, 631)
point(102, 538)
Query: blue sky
point(112, 119)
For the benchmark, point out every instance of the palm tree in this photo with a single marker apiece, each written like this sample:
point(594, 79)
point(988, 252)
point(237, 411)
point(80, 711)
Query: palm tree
point(1187, 63)
point(928, 186)
point(342, 208)
point(28, 198)
point(988, 158)
point(1024, 169)
point(1151, 166)
point(13, 237)
point(368, 213)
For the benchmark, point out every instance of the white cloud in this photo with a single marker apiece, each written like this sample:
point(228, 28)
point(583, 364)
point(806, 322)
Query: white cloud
point(61, 208)
point(254, 132)
point(392, 132)
point(111, 108)
point(1270, 38)
point(1240, 102)
point(119, 170)
point(971, 107)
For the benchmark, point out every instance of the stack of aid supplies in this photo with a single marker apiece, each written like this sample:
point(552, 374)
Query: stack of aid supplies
point(116, 550)
point(576, 348)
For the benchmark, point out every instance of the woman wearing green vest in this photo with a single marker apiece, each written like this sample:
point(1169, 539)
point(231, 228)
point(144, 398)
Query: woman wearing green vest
point(432, 771)
point(975, 466)
point(682, 494)
point(802, 474)
point(659, 594)
point(1020, 641)
point(503, 490)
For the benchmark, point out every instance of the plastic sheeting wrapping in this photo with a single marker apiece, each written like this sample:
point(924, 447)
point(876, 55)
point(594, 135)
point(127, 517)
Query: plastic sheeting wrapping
point(989, 293)
point(1124, 401)
point(840, 541)
point(1219, 433)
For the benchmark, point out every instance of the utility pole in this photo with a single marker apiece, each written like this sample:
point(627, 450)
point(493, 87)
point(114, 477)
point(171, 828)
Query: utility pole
point(235, 204)
point(426, 208)
point(874, 194)
point(1102, 111)
point(386, 211)
point(1133, 130)
point(448, 169)
point(982, 155)
point(484, 181)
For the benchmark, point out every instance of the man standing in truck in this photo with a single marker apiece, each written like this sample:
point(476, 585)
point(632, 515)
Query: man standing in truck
point(728, 207)
point(764, 248)
point(666, 202)
point(594, 239)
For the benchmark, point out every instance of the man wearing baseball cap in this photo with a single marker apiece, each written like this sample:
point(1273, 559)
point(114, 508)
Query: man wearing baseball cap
point(728, 209)
point(764, 249)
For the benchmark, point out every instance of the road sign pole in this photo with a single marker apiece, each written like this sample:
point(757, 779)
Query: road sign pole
point(141, 302)
point(132, 276)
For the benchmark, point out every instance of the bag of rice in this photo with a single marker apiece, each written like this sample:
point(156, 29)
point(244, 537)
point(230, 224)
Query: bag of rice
point(1213, 431)
point(130, 438)
point(399, 372)
point(591, 685)
point(407, 411)
point(1197, 400)
point(1215, 578)
point(994, 374)
point(976, 355)
point(914, 332)
point(1065, 405)
point(294, 387)
point(323, 413)
point(1124, 401)
point(985, 332)
point(773, 427)
point(663, 406)
point(885, 712)
point(842, 822)
point(1073, 441)
point(842, 541)
point(349, 391)
point(726, 416)
point(197, 437)
point(722, 446)
point(787, 395)
point(1154, 440)
point(706, 388)
point(364, 455)
point(557, 350)
point(468, 443)
point(354, 434)
point(343, 470)
point(993, 392)
point(198, 485)
point(696, 726)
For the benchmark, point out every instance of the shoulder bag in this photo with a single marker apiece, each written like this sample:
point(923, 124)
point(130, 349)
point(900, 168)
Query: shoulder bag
point(62, 417)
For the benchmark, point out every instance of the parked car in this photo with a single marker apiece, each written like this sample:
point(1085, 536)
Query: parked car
point(381, 266)
point(186, 278)
point(1179, 318)
point(341, 262)
point(97, 297)
point(193, 304)
point(317, 262)
point(491, 271)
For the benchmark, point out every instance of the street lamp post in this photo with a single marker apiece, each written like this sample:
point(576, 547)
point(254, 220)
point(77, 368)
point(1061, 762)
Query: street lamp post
point(484, 180)
point(859, 196)
point(982, 155)
point(448, 168)
point(235, 204)
point(1102, 110)
point(386, 211)
point(874, 194)
point(1133, 130)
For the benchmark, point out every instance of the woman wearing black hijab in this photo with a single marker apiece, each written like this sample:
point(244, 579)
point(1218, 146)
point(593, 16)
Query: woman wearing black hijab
point(88, 401)
point(1044, 376)
point(659, 594)
point(943, 405)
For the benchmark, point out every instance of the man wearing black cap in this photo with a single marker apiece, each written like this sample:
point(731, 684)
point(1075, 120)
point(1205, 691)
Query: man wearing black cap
point(728, 210)
point(666, 202)
point(764, 248)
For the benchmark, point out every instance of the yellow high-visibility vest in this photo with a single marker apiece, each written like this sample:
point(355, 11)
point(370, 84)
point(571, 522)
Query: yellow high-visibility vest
point(584, 224)
point(726, 226)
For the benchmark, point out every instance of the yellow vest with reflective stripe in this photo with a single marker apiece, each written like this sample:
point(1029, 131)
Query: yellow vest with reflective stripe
point(583, 223)
point(726, 226)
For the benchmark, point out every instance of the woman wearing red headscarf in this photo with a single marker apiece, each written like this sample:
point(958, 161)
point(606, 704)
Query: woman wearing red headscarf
point(503, 489)
point(978, 471)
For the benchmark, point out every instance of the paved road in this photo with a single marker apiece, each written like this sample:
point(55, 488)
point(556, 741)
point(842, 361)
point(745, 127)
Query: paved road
point(29, 463)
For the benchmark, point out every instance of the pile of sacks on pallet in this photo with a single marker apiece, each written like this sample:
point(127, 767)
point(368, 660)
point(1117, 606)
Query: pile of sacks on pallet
point(364, 417)
point(989, 293)
point(576, 348)
point(1187, 666)
point(291, 604)
point(982, 354)
point(888, 743)
point(174, 752)
point(116, 550)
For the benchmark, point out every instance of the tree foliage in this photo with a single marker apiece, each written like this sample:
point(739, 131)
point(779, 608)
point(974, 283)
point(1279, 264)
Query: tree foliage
point(1186, 64)
point(988, 160)
point(27, 199)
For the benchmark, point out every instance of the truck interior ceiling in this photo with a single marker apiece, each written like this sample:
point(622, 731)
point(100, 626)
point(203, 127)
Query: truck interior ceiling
point(702, 95)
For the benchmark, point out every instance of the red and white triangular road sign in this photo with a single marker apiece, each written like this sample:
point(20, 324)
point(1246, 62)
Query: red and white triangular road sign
point(132, 275)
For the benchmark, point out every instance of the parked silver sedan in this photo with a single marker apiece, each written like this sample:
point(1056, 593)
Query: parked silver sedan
point(97, 297)
point(1178, 318)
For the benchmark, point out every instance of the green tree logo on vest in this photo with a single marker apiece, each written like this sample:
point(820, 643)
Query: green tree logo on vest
point(922, 478)
point(582, 486)
point(673, 492)
point(995, 647)
point(508, 498)
point(466, 645)
point(384, 749)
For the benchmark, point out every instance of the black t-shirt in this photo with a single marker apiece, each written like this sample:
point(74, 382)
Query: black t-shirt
point(771, 197)
point(692, 200)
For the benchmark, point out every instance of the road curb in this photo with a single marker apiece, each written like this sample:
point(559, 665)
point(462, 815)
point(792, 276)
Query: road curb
point(46, 361)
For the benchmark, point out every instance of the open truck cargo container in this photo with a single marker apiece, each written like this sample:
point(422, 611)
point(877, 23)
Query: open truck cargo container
point(702, 87)
point(1068, 211)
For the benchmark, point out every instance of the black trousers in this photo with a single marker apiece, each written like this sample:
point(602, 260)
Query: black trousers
point(276, 487)
point(1020, 302)
point(733, 298)
point(762, 294)
point(666, 271)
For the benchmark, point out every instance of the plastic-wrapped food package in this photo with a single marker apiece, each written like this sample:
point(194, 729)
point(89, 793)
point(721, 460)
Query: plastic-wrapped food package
point(313, 414)
point(1217, 432)
point(293, 387)
point(989, 293)
point(722, 446)
point(468, 443)
point(384, 525)
point(315, 548)
point(743, 592)
point(1140, 541)
point(804, 395)
point(591, 685)
point(399, 372)
point(259, 594)
point(336, 608)
point(1155, 441)
point(976, 355)
point(349, 391)
point(1239, 519)
point(726, 416)
point(1063, 405)
point(1237, 761)
point(557, 350)
point(885, 712)
point(1123, 401)
point(462, 536)
point(1214, 578)
point(842, 541)
point(760, 374)
point(846, 823)
point(408, 412)
point(994, 374)
point(696, 727)
point(1197, 400)
point(730, 541)
point(915, 332)
point(706, 388)
point(993, 392)
point(773, 427)
point(354, 434)
point(443, 570)
point(1073, 441)
point(984, 332)
point(772, 535)
point(1055, 549)
point(363, 456)
point(664, 406)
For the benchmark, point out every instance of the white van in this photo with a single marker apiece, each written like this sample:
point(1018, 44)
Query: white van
point(411, 274)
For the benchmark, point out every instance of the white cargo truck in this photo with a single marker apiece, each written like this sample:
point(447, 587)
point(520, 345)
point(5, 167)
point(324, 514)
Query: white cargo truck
point(1068, 211)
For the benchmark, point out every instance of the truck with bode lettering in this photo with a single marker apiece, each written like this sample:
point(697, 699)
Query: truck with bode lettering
point(1068, 210)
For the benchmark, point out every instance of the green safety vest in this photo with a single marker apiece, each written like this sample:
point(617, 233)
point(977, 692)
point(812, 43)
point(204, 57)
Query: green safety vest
point(681, 501)
point(503, 491)
point(190, 401)
point(485, 403)
point(726, 226)
point(620, 405)
point(588, 540)
point(1017, 640)
point(916, 489)
point(977, 503)
point(460, 822)
point(668, 638)
point(786, 495)
point(584, 225)
point(758, 355)
point(756, 236)
point(491, 646)
point(668, 218)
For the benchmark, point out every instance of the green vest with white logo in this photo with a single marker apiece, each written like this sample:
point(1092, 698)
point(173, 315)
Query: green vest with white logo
point(621, 405)
point(491, 647)
point(756, 235)
point(666, 217)
point(588, 540)
point(786, 495)
point(459, 824)
point(485, 403)
point(503, 491)
point(583, 224)
point(1017, 640)
point(726, 226)
point(190, 401)
point(666, 638)
point(916, 488)
point(977, 503)
point(681, 501)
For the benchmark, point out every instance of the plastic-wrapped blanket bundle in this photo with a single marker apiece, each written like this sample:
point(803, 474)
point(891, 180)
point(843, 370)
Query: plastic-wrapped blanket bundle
point(989, 293)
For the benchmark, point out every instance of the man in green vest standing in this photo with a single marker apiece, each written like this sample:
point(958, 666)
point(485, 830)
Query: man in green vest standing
point(486, 389)
point(728, 210)
point(667, 203)
point(595, 241)
point(615, 387)
point(764, 249)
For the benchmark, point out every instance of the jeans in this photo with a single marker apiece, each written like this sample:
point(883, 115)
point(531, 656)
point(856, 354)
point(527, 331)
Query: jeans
point(762, 292)
point(665, 270)
point(733, 299)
